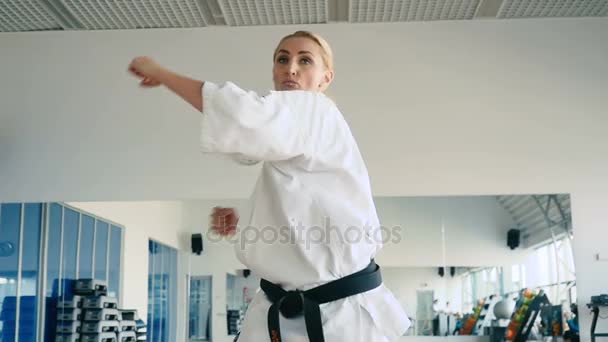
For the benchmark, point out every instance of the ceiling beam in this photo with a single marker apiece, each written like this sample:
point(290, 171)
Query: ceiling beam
point(212, 12)
point(488, 9)
point(63, 16)
point(338, 10)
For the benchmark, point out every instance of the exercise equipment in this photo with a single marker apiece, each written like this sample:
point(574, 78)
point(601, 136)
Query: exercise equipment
point(127, 326)
point(595, 309)
point(68, 327)
point(504, 308)
point(100, 327)
point(100, 302)
point(526, 310)
point(74, 303)
point(90, 287)
point(69, 314)
point(127, 336)
point(100, 314)
point(102, 337)
point(67, 338)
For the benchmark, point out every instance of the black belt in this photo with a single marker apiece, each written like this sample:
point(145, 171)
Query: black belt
point(293, 303)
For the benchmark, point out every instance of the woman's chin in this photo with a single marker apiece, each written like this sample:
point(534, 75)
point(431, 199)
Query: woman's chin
point(285, 87)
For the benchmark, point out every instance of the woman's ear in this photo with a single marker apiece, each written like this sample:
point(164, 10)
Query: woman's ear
point(328, 77)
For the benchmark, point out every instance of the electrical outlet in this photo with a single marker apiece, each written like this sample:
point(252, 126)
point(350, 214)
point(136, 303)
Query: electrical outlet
point(601, 257)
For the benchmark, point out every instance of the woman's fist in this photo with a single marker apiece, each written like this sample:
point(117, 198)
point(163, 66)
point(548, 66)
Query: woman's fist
point(224, 221)
point(147, 70)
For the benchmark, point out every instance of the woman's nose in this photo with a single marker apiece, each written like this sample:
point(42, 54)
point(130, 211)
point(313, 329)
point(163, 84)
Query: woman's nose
point(293, 69)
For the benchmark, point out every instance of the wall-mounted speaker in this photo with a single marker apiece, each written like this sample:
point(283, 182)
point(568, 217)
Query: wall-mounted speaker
point(513, 238)
point(197, 243)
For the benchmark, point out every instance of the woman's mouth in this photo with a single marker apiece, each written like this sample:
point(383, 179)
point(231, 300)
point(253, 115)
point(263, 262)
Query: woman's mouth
point(291, 85)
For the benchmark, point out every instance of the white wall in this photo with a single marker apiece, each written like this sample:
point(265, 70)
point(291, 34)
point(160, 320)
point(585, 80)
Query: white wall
point(160, 221)
point(475, 223)
point(441, 108)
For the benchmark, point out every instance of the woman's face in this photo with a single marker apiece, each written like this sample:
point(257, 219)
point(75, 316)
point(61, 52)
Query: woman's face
point(298, 65)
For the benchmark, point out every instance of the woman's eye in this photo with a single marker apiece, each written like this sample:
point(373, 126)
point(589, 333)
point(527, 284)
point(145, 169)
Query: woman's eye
point(306, 61)
point(282, 60)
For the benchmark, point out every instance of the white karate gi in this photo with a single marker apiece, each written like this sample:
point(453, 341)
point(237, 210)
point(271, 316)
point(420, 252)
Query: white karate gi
point(312, 171)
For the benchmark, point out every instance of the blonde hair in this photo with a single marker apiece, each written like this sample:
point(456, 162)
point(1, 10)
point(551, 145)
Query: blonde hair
point(326, 53)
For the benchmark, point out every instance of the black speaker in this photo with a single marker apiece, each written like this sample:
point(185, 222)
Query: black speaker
point(246, 273)
point(452, 271)
point(197, 243)
point(513, 238)
point(441, 271)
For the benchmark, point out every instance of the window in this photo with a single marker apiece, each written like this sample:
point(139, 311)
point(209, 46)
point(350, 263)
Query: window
point(468, 294)
point(30, 256)
point(101, 250)
point(200, 308)
point(486, 282)
point(68, 238)
point(87, 241)
point(162, 292)
point(69, 254)
point(549, 267)
point(53, 251)
point(10, 228)
point(515, 274)
point(114, 257)
point(479, 284)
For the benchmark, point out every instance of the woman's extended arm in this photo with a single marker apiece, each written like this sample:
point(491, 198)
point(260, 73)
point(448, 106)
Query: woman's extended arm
point(152, 75)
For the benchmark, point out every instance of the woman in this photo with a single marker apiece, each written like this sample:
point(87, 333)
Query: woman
point(313, 196)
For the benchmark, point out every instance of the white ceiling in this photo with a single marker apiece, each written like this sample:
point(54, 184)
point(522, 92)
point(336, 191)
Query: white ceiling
point(38, 15)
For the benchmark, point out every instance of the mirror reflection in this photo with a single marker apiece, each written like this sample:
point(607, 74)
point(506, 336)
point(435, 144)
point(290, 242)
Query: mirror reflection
point(486, 268)
point(483, 267)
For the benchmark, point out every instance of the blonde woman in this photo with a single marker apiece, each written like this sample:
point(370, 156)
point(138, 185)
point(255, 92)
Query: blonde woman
point(319, 280)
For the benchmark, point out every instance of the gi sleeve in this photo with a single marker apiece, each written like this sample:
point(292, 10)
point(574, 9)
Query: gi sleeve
point(279, 126)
